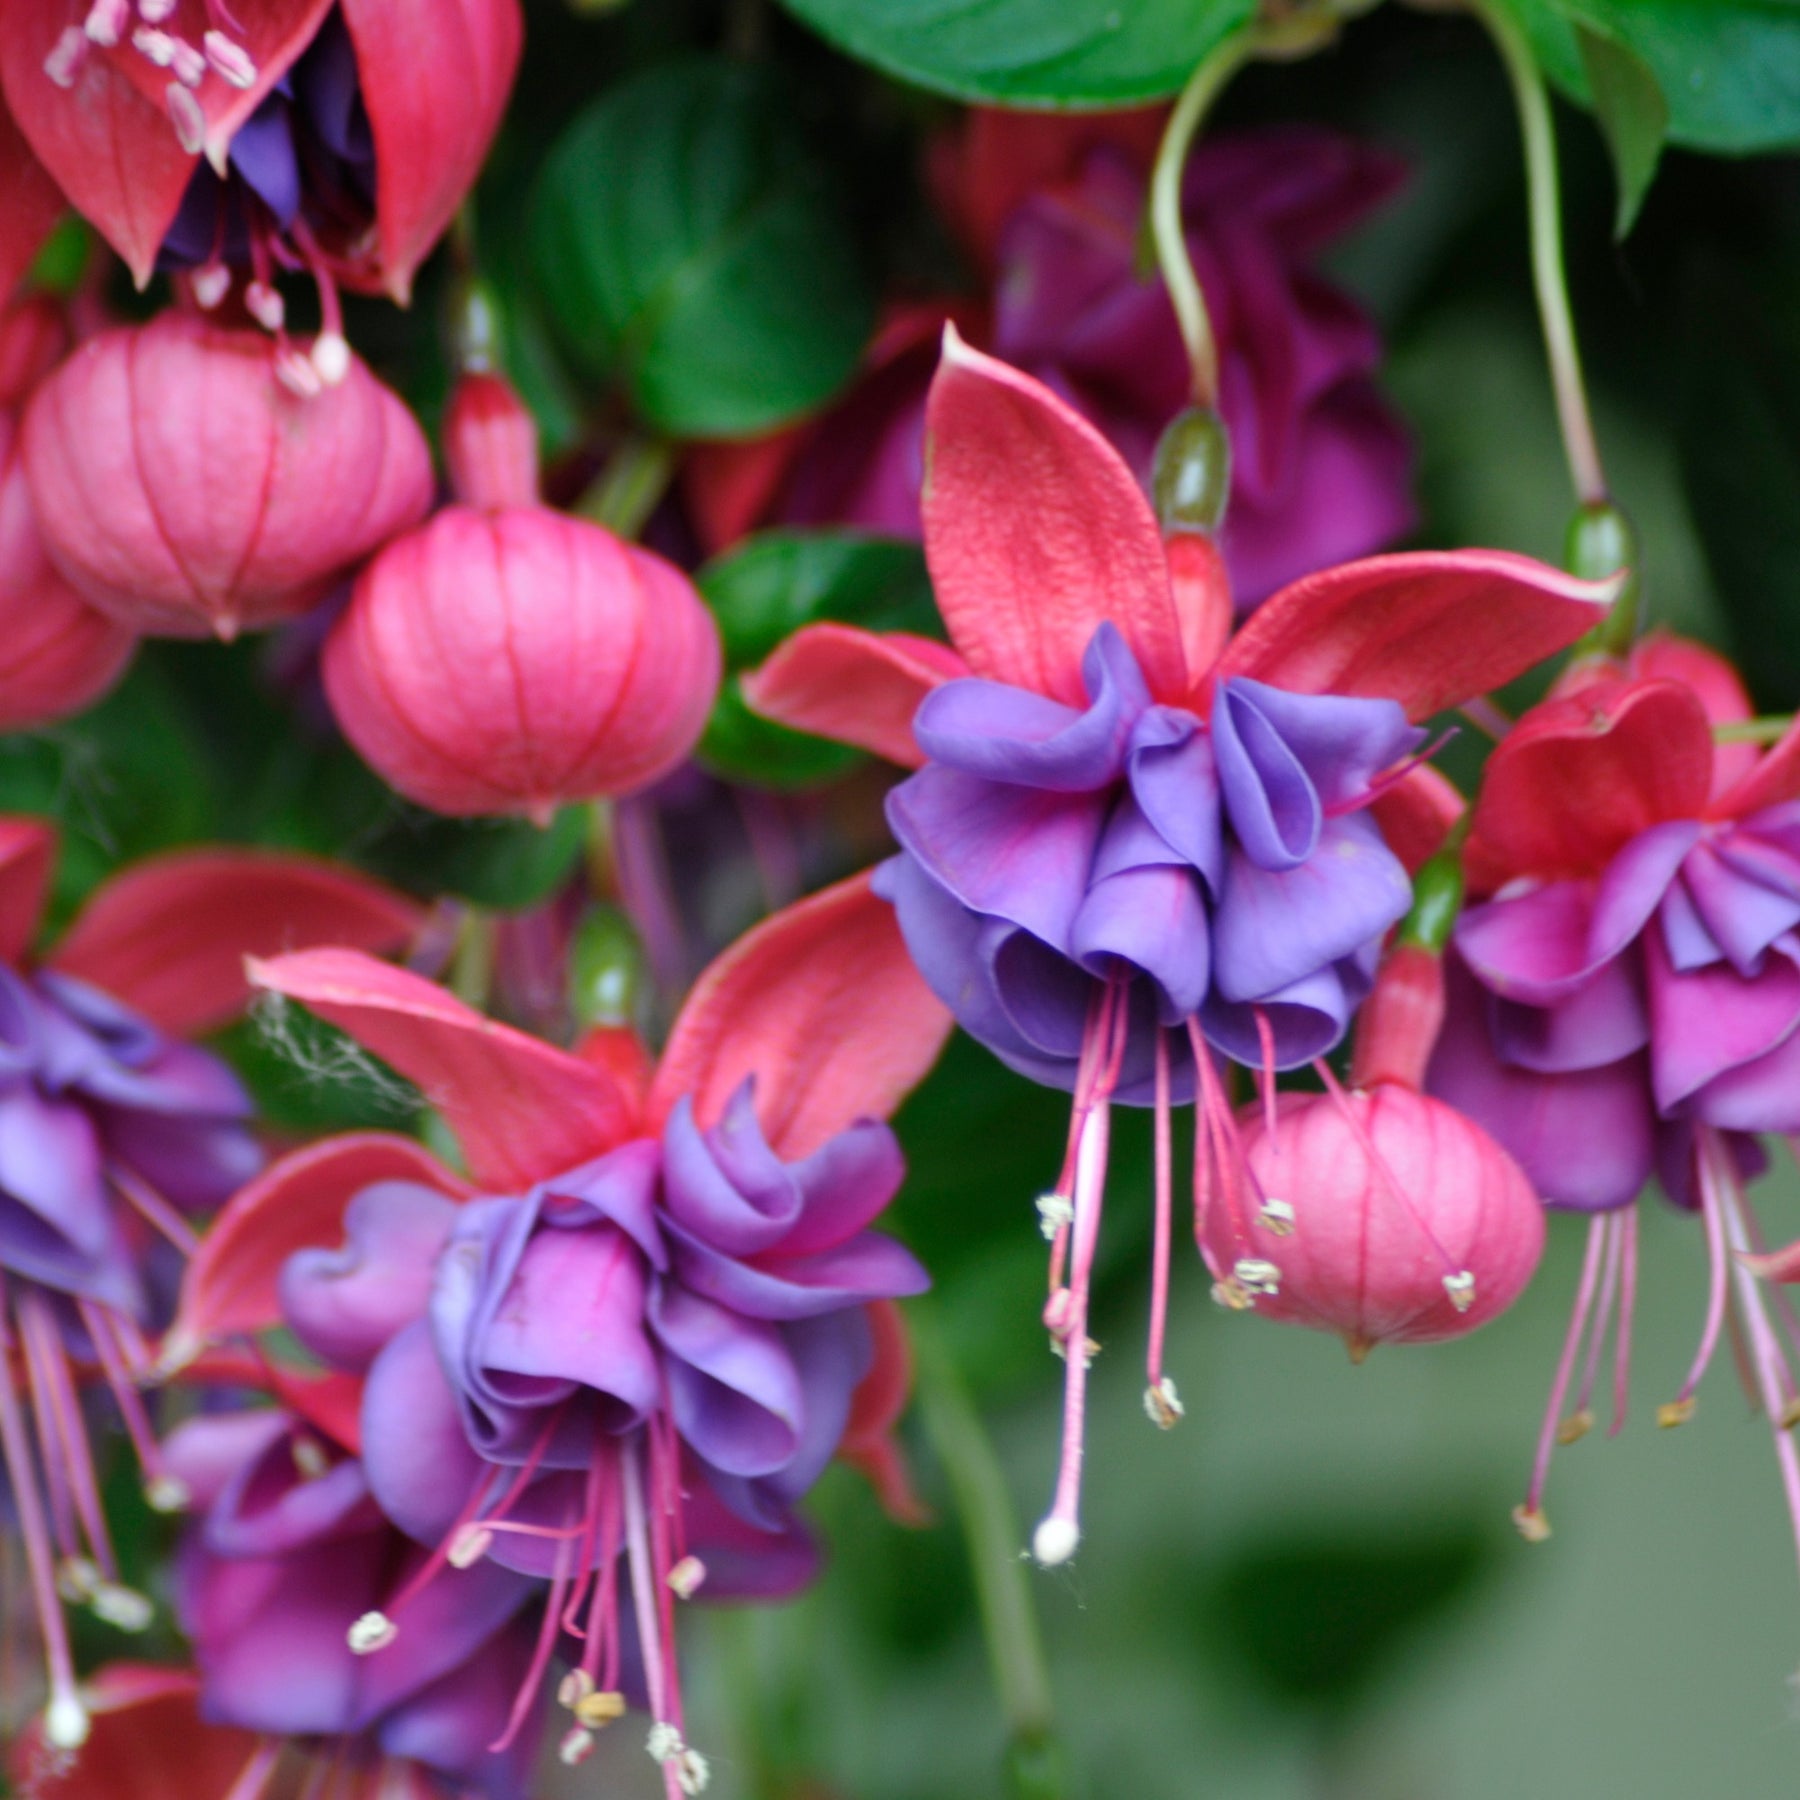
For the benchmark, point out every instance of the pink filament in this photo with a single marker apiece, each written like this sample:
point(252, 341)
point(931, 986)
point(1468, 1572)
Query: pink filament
point(1565, 1366)
point(1159, 1274)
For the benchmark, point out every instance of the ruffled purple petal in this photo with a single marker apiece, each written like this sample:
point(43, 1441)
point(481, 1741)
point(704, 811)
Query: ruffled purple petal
point(272, 1506)
point(1341, 743)
point(726, 1186)
point(868, 1267)
point(1270, 800)
point(1175, 781)
point(1706, 1023)
point(1743, 914)
point(421, 1467)
point(1603, 1020)
point(1153, 919)
point(620, 1187)
point(844, 1185)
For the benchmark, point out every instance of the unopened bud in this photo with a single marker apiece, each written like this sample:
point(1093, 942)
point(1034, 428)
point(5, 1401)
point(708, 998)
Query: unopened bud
point(1191, 475)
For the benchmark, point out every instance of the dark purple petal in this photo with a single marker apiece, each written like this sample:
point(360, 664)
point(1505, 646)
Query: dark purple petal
point(194, 1164)
point(1603, 1020)
point(262, 152)
point(206, 1452)
point(345, 1304)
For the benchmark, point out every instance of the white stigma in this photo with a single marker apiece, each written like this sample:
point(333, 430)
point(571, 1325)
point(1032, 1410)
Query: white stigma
point(663, 1742)
point(1255, 1276)
point(1461, 1289)
point(66, 1723)
point(1277, 1216)
point(373, 1631)
point(123, 1608)
point(229, 60)
point(331, 357)
point(66, 56)
point(1054, 1212)
point(686, 1576)
point(692, 1772)
point(1055, 1541)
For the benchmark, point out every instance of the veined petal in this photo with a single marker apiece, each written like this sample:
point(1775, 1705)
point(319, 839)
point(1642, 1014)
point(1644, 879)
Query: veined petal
point(520, 1108)
point(822, 1006)
point(859, 687)
point(298, 1203)
point(1036, 531)
point(170, 935)
point(1428, 628)
point(27, 855)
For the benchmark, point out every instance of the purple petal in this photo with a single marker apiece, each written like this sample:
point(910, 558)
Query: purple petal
point(421, 1467)
point(195, 1164)
point(449, 1724)
point(844, 1185)
point(1175, 781)
point(273, 1506)
point(1743, 915)
point(1155, 920)
point(1602, 1021)
point(727, 1187)
point(1304, 1020)
point(1634, 883)
point(1341, 743)
point(1708, 1022)
point(619, 1187)
point(344, 1304)
point(206, 1452)
point(1530, 947)
point(1271, 802)
point(868, 1267)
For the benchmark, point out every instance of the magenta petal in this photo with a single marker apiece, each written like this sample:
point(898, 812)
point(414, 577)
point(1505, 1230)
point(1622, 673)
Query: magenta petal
point(1760, 1095)
point(1603, 1020)
point(448, 1724)
point(271, 1507)
point(420, 1465)
point(1743, 915)
point(1707, 1022)
point(1530, 947)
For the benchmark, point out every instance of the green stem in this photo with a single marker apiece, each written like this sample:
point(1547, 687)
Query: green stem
point(1548, 274)
point(991, 1530)
point(626, 492)
point(1768, 730)
point(1166, 230)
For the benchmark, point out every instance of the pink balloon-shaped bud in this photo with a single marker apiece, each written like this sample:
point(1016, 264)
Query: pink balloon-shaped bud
point(57, 654)
point(508, 661)
point(1383, 1215)
point(181, 487)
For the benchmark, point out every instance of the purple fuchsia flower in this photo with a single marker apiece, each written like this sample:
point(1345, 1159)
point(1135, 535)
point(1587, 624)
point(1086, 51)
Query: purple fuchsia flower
point(610, 1375)
point(290, 134)
point(1133, 839)
point(1626, 1001)
point(1053, 207)
point(114, 1133)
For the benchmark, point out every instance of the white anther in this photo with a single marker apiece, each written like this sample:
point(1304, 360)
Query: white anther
point(167, 1494)
point(310, 1461)
point(296, 373)
point(154, 46)
point(576, 1747)
point(692, 1772)
point(66, 1723)
point(156, 12)
point(1255, 1276)
point(76, 1578)
point(187, 65)
point(230, 60)
point(472, 1543)
point(66, 56)
point(187, 118)
point(686, 1576)
point(1461, 1289)
point(1163, 1404)
point(106, 22)
point(331, 357)
point(209, 285)
point(373, 1631)
point(574, 1688)
point(123, 1608)
point(1277, 1216)
point(1054, 1212)
point(1054, 1541)
point(265, 305)
point(664, 1742)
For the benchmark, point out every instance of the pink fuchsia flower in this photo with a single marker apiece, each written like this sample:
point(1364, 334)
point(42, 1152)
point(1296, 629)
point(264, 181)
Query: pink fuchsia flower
point(617, 1368)
point(1322, 470)
point(338, 136)
point(1131, 834)
point(185, 491)
point(115, 1133)
point(57, 654)
point(1627, 1001)
point(505, 658)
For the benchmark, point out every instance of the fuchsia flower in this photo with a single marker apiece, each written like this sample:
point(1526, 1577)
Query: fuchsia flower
point(1628, 999)
point(609, 1376)
point(338, 136)
point(1133, 836)
point(184, 490)
point(506, 658)
point(1322, 469)
point(113, 1133)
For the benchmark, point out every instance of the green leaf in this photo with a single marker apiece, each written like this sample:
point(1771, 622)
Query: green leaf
point(1729, 69)
point(1633, 115)
point(1076, 53)
point(508, 864)
point(692, 245)
point(761, 593)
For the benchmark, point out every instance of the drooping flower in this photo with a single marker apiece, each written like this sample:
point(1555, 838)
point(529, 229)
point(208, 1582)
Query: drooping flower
point(338, 136)
point(1051, 208)
point(1626, 999)
point(506, 658)
point(1131, 841)
point(185, 491)
point(612, 1373)
point(113, 1134)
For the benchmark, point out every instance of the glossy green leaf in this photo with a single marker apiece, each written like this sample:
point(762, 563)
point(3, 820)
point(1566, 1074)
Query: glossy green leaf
point(1632, 113)
point(1075, 53)
point(692, 245)
point(761, 593)
point(1729, 69)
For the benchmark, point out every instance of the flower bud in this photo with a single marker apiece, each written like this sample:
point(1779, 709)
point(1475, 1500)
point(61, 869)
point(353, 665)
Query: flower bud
point(57, 655)
point(1408, 1222)
point(508, 661)
point(490, 445)
point(185, 490)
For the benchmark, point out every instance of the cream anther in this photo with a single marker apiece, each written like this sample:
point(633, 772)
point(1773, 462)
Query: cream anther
point(1461, 1289)
point(472, 1543)
point(154, 46)
point(575, 1747)
point(1163, 1404)
point(373, 1631)
point(1277, 1216)
point(1256, 1276)
point(1054, 1212)
point(123, 1608)
point(265, 305)
point(686, 1576)
point(66, 56)
point(185, 115)
point(166, 1494)
point(598, 1710)
point(106, 22)
point(66, 1723)
point(331, 357)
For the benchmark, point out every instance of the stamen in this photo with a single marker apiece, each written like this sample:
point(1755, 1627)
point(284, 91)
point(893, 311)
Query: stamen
point(540, 1658)
point(164, 1492)
point(373, 1631)
point(185, 115)
point(1055, 1211)
point(188, 66)
point(156, 47)
point(1159, 1410)
point(229, 60)
point(598, 1710)
point(469, 1546)
point(253, 1780)
point(1255, 1275)
point(574, 1747)
point(156, 12)
point(1461, 1289)
point(67, 54)
point(1163, 1404)
point(1628, 1233)
point(1529, 1517)
point(209, 284)
point(685, 1579)
point(1679, 1410)
point(106, 22)
point(1059, 1533)
point(123, 1608)
point(265, 305)
point(1277, 1216)
point(1581, 1421)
